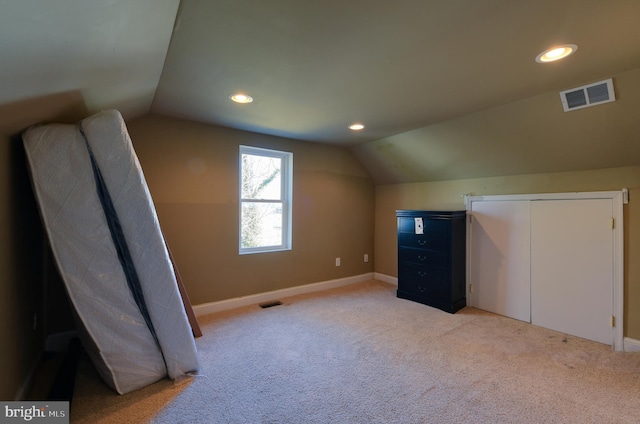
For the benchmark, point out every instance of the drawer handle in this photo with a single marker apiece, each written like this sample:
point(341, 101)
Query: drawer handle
point(422, 242)
point(422, 257)
point(422, 273)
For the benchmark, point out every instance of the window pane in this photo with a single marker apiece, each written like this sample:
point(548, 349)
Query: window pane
point(261, 224)
point(265, 200)
point(261, 177)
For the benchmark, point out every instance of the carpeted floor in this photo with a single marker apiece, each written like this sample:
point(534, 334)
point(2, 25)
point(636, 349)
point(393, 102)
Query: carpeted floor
point(358, 354)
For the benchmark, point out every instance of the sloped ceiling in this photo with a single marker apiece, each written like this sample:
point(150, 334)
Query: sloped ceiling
point(110, 51)
point(446, 89)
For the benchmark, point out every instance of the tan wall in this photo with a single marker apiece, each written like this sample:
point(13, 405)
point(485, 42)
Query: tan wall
point(20, 261)
point(192, 173)
point(22, 286)
point(447, 194)
point(19, 279)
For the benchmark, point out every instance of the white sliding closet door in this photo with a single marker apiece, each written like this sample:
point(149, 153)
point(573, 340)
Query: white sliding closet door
point(572, 267)
point(499, 263)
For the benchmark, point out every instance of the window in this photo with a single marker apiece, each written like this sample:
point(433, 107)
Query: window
point(265, 200)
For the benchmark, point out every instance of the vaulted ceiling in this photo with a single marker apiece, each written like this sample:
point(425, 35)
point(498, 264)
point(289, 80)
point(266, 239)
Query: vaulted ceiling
point(445, 89)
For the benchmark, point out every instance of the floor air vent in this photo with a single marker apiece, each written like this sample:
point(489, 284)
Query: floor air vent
point(588, 95)
point(270, 304)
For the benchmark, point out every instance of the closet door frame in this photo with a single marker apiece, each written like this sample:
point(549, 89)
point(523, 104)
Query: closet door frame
point(618, 244)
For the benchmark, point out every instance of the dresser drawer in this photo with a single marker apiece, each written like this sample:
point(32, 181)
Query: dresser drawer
point(438, 258)
point(424, 241)
point(433, 227)
point(424, 281)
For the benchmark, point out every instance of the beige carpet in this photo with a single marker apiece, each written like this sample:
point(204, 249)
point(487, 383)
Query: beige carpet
point(358, 354)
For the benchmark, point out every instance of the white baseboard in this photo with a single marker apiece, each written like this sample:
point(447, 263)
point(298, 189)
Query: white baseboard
point(631, 345)
point(386, 278)
point(224, 305)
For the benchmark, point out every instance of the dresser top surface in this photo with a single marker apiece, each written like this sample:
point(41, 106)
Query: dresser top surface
point(415, 213)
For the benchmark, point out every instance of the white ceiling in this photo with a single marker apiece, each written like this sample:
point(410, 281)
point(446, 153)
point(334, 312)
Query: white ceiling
point(313, 67)
point(110, 51)
point(316, 66)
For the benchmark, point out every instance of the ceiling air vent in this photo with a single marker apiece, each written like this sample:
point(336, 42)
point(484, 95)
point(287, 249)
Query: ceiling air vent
point(588, 95)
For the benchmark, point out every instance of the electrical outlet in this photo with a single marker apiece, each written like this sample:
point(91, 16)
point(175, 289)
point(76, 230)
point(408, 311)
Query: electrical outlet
point(366, 257)
point(337, 261)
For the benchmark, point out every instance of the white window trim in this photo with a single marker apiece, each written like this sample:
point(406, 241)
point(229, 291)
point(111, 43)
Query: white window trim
point(287, 196)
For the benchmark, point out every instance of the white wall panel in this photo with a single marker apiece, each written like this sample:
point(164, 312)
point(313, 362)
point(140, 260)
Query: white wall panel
point(499, 263)
point(550, 259)
point(572, 267)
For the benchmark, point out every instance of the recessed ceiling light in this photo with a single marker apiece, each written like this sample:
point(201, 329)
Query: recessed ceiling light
point(356, 127)
point(556, 53)
point(241, 98)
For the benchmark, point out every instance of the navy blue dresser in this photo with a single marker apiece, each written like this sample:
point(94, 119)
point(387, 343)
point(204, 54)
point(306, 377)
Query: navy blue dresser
point(432, 258)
